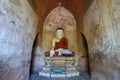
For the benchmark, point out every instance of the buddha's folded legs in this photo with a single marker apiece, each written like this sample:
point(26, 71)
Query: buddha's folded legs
point(53, 53)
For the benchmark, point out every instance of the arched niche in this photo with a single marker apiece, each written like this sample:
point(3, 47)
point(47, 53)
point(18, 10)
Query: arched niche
point(60, 17)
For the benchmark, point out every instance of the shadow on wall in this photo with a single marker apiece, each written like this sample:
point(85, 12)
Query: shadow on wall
point(33, 55)
point(86, 54)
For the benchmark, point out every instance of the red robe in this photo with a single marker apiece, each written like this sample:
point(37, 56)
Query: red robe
point(61, 44)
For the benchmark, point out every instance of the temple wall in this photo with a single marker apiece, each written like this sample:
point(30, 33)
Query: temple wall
point(102, 26)
point(18, 27)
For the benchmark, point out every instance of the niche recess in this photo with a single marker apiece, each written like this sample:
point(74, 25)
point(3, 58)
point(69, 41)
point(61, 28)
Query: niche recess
point(60, 17)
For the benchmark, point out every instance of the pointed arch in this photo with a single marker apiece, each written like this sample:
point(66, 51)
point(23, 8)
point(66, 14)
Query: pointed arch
point(60, 17)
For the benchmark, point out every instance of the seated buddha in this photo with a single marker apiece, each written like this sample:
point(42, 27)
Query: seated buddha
point(59, 45)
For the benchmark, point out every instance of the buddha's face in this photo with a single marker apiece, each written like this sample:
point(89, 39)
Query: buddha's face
point(59, 33)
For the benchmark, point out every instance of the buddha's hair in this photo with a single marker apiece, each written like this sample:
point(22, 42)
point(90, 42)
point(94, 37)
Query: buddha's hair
point(59, 28)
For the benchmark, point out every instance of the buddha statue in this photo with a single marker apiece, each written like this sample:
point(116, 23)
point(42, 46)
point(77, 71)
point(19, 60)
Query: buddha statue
point(59, 45)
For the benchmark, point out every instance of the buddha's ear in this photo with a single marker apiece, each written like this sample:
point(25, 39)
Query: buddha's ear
point(56, 35)
point(55, 31)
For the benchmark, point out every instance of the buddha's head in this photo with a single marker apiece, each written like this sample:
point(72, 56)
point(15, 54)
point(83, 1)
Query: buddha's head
point(59, 32)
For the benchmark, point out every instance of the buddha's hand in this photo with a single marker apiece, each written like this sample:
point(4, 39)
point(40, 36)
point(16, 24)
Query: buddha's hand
point(58, 50)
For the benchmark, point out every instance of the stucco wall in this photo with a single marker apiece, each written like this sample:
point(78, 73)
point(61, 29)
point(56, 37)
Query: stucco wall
point(18, 26)
point(102, 33)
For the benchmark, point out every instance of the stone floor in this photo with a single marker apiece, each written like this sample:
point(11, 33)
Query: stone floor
point(83, 76)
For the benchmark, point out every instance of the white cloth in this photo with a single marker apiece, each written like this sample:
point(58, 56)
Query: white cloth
point(65, 51)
